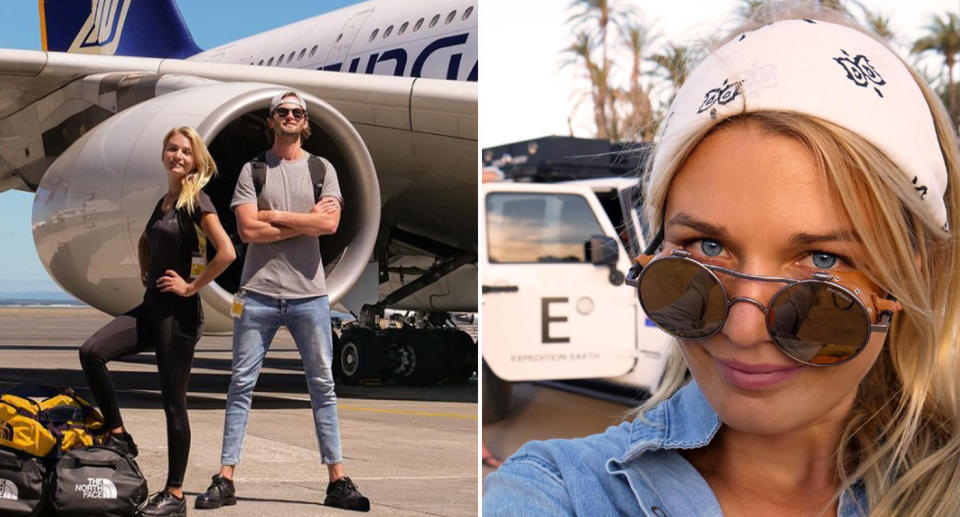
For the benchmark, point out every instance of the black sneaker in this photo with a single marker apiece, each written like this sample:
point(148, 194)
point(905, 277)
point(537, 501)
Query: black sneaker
point(221, 492)
point(342, 493)
point(164, 504)
point(122, 443)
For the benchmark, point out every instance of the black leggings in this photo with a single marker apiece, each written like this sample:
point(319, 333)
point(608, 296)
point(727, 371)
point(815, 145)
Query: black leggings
point(172, 326)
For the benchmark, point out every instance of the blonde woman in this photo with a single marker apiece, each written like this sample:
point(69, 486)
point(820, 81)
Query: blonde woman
point(169, 320)
point(804, 197)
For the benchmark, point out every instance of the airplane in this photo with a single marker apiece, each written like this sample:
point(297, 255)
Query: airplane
point(391, 89)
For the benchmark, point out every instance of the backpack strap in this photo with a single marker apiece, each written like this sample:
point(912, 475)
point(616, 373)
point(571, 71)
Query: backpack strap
point(259, 170)
point(318, 171)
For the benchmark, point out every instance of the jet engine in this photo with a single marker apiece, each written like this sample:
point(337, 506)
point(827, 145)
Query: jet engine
point(94, 200)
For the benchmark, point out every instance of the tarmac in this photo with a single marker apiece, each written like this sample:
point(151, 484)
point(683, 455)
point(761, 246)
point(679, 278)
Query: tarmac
point(412, 451)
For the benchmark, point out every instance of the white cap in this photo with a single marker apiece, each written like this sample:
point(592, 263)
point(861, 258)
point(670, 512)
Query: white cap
point(289, 97)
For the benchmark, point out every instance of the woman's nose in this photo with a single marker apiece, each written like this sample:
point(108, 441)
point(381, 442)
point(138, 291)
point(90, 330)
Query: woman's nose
point(746, 323)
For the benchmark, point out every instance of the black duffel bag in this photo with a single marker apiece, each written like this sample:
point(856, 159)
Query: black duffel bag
point(97, 481)
point(21, 485)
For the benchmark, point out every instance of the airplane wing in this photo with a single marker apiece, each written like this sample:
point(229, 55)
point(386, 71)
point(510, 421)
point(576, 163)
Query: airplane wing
point(27, 78)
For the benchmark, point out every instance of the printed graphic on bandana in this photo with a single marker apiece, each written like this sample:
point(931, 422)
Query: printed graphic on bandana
point(97, 488)
point(8, 490)
point(922, 189)
point(722, 95)
point(860, 71)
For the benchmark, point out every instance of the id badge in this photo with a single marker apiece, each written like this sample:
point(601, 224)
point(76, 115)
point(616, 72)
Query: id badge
point(197, 266)
point(236, 308)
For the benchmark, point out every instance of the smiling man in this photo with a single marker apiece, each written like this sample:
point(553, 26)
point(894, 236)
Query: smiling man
point(283, 201)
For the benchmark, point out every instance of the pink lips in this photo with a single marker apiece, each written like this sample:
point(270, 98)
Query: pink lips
point(756, 376)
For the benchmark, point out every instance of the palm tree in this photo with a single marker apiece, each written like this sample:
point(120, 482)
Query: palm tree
point(943, 37)
point(580, 54)
point(675, 63)
point(600, 15)
point(639, 120)
point(879, 23)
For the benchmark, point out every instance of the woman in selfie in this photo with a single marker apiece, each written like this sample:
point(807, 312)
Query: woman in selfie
point(803, 202)
point(169, 320)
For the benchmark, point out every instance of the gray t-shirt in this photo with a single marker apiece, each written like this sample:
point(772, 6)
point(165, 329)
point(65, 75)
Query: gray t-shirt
point(290, 268)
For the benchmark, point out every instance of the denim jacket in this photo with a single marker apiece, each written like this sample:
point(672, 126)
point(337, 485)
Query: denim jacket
point(634, 468)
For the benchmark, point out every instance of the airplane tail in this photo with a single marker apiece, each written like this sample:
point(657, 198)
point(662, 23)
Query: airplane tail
point(145, 28)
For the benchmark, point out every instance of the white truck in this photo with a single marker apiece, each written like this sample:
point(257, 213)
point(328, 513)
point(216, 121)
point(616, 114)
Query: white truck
point(553, 258)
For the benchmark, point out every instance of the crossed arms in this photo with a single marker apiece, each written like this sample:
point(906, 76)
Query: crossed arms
point(275, 225)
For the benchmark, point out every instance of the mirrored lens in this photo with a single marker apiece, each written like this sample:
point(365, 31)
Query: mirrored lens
point(817, 323)
point(682, 297)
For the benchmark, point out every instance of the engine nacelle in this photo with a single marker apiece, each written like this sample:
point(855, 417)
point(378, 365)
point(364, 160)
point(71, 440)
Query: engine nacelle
point(94, 200)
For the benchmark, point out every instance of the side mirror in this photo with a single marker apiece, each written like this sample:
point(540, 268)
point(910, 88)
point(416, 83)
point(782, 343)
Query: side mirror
point(602, 250)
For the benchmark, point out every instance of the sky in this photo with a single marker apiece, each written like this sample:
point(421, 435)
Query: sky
point(212, 23)
point(524, 94)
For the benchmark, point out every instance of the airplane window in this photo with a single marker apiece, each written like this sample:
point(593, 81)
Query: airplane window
point(418, 25)
point(450, 17)
point(313, 51)
point(339, 37)
point(290, 57)
point(270, 63)
point(373, 35)
point(387, 32)
point(302, 53)
point(467, 13)
point(280, 60)
point(260, 62)
point(403, 28)
point(434, 20)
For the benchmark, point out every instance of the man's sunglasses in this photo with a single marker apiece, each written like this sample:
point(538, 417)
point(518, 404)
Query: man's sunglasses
point(297, 112)
point(820, 321)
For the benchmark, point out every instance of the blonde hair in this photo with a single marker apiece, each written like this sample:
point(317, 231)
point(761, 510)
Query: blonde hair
point(903, 435)
point(204, 168)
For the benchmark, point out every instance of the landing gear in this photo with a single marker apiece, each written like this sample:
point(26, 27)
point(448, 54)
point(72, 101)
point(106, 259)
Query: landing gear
point(408, 356)
point(419, 349)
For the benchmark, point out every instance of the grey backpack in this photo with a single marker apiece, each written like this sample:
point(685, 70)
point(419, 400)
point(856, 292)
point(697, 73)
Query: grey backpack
point(21, 484)
point(97, 481)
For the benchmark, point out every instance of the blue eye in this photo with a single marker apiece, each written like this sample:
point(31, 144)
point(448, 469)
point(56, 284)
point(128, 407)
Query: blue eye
point(710, 248)
point(824, 260)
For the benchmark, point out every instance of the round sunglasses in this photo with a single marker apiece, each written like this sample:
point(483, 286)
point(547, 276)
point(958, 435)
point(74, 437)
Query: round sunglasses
point(819, 321)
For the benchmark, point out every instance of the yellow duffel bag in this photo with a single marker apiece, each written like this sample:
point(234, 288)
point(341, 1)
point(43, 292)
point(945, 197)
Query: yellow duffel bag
point(45, 421)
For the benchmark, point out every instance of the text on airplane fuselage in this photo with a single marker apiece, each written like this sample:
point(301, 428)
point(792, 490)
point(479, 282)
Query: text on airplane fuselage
point(400, 56)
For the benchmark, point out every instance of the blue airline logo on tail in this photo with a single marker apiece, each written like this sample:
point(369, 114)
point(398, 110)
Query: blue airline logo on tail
point(102, 29)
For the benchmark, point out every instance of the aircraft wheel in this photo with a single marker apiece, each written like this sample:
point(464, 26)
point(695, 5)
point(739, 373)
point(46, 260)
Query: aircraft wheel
point(423, 355)
point(358, 356)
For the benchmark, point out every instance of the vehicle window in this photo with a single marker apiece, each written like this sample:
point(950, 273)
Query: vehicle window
point(418, 25)
point(450, 17)
point(373, 35)
point(313, 51)
point(538, 227)
point(434, 20)
point(260, 62)
point(290, 57)
point(270, 62)
point(403, 28)
point(467, 13)
point(302, 52)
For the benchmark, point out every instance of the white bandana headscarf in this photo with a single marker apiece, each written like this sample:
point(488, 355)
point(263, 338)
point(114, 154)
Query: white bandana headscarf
point(821, 69)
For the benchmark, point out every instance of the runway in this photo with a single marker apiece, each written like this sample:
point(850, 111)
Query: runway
point(412, 451)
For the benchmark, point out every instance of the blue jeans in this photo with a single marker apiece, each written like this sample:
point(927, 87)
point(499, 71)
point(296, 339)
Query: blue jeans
point(308, 321)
